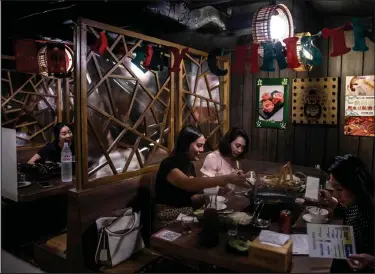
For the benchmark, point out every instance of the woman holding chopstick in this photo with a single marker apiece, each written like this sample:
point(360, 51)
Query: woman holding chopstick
point(353, 192)
point(225, 160)
point(177, 186)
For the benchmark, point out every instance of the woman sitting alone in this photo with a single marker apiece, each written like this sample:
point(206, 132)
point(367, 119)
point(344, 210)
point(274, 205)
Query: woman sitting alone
point(52, 151)
point(353, 192)
point(176, 185)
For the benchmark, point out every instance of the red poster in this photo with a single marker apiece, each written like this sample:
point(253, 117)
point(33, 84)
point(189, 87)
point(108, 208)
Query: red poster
point(26, 54)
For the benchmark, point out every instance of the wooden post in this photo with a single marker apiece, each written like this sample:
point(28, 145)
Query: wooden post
point(66, 105)
point(59, 103)
point(226, 96)
point(172, 106)
point(80, 106)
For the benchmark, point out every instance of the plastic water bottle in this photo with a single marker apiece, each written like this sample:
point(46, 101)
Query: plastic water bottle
point(66, 164)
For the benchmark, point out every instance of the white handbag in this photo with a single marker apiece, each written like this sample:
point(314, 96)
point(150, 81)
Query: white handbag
point(119, 238)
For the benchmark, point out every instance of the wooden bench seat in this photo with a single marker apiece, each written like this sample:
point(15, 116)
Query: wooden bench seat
point(134, 263)
point(50, 255)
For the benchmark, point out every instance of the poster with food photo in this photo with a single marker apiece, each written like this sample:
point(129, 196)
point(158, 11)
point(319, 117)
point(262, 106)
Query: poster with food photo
point(272, 102)
point(359, 106)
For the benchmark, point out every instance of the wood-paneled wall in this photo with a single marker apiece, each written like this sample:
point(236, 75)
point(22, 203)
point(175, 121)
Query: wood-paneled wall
point(305, 144)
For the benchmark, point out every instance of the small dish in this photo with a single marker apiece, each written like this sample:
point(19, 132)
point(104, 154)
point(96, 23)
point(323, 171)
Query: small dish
point(318, 214)
point(308, 218)
point(23, 184)
point(220, 206)
point(219, 199)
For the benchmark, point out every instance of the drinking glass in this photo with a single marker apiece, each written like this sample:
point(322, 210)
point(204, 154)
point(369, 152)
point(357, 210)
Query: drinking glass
point(232, 229)
point(187, 224)
point(21, 178)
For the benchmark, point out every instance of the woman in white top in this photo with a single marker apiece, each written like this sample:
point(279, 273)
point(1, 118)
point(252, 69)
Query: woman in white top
point(224, 161)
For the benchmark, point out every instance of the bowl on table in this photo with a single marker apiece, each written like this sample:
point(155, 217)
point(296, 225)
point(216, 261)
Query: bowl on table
point(317, 214)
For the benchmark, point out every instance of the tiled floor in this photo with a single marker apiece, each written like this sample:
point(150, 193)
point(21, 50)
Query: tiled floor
point(12, 264)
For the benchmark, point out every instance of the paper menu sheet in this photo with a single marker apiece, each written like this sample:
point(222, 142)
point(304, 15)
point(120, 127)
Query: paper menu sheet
point(330, 241)
point(312, 188)
point(300, 244)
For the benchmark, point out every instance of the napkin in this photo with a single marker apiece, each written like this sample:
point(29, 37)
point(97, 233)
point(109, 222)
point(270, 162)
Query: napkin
point(273, 238)
point(312, 188)
point(182, 215)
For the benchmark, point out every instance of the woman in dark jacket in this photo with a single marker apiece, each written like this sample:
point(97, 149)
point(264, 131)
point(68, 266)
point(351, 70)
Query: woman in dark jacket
point(52, 151)
point(353, 191)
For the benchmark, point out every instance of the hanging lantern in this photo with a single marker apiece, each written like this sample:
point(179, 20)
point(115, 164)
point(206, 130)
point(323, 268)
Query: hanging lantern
point(272, 23)
point(303, 67)
point(55, 60)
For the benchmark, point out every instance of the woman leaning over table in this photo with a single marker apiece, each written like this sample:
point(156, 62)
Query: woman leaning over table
point(176, 186)
point(353, 191)
point(225, 160)
point(233, 146)
point(52, 151)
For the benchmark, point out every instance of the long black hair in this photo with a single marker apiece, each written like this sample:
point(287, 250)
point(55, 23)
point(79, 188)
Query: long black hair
point(229, 137)
point(350, 172)
point(187, 135)
point(57, 128)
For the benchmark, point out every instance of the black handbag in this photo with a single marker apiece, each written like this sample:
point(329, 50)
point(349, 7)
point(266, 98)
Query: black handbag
point(40, 171)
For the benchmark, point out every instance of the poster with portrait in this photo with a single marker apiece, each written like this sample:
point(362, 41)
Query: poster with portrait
point(315, 101)
point(359, 106)
point(272, 102)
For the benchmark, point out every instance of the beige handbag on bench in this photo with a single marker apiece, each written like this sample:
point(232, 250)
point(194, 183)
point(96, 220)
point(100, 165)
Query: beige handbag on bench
point(119, 238)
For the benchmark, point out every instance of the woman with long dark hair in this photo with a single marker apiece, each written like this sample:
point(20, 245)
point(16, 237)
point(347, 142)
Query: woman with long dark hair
point(176, 183)
point(233, 146)
point(52, 151)
point(353, 193)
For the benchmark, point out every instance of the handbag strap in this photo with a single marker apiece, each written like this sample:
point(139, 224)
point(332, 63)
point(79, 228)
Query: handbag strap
point(127, 231)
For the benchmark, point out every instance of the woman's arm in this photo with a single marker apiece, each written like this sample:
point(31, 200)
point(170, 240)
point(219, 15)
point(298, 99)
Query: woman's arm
point(177, 178)
point(33, 159)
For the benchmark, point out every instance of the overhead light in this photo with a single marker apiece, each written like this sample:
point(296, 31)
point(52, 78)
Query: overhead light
point(272, 23)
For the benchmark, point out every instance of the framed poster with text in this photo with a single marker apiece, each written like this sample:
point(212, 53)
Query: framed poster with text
point(359, 106)
point(272, 102)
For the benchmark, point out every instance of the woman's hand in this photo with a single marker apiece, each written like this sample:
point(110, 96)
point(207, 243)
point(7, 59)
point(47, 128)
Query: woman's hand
point(325, 197)
point(360, 261)
point(238, 178)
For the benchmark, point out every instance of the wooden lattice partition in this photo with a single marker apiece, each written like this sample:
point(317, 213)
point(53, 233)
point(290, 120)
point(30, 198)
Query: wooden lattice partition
point(125, 115)
point(31, 104)
point(204, 98)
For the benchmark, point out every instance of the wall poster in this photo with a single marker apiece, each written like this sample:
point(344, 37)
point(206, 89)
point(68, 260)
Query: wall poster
point(359, 106)
point(315, 101)
point(272, 102)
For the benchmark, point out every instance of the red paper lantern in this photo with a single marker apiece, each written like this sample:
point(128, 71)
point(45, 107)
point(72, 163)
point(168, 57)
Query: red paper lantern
point(55, 60)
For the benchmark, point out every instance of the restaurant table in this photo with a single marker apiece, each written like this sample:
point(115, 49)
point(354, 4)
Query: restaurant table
point(35, 192)
point(187, 247)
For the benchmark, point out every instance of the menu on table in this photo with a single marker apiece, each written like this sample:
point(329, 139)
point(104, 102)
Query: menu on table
point(330, 241)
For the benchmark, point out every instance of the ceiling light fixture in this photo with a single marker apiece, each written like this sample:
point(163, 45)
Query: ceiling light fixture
point(272, 23)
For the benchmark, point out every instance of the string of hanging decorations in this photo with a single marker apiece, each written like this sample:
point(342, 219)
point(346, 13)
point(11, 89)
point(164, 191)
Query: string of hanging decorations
point(273, 39)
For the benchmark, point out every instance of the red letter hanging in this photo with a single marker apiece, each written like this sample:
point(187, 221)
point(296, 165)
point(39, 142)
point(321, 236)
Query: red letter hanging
point(101, 43)
point(149, 53)
point(291, 52)
point(177, 58)
point(254, 57)
point(242, 59)
point(338, 38)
